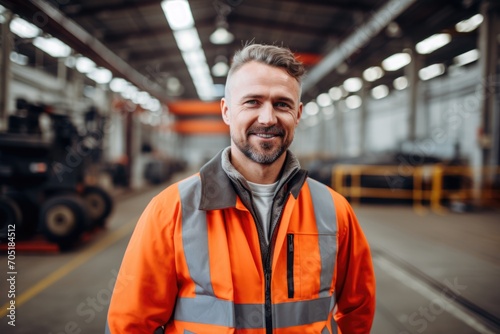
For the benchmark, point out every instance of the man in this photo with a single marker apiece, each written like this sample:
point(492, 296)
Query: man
point(250, 244)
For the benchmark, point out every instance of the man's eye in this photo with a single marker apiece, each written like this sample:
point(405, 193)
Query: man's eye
point(282, 105)
point(251, 102)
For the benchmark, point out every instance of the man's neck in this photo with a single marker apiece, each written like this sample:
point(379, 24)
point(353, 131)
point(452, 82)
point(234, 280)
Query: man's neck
point(256, 172)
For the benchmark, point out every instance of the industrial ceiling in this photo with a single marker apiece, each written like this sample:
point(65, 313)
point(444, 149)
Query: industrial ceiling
point(337, 39)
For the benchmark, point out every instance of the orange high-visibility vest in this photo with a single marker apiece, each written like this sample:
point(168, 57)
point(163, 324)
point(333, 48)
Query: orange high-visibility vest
point(194, 265)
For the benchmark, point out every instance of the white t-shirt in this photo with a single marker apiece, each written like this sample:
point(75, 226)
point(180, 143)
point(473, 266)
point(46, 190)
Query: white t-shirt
point(263, 195)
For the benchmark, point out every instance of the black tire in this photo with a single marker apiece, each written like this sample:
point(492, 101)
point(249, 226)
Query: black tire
point(63, 219)
point(98, 203)
point(30, 212)
point(9, 215)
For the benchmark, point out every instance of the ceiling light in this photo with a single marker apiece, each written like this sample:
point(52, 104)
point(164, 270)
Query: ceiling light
point(380, 92)
point(130, 92)
point(178, 14)
point(19, 58)
point(220, 69)
point(396, 61)
point(353, 84)
point(52, 46)
point(84, 65)
point(199, 72)
point(393, 29)
point(353, 102)
point(194, 57)
point(469, 24)
point(431, 71)
point(187, 40)
point(221, 36)
point(335, 93)
point(70, 61)
point(118, 85)
point(180, 19)
point(174, 86)
point(152, 104)
point(466, 58)
point(23, 28)
point(100, 75)
point(311, 108)
point(373, 73)
point(324, 100)
point(433, 43)
point(143, 98)
point(400, 83)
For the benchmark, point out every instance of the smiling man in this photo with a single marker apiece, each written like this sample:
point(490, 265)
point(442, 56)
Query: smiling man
point(250, 244)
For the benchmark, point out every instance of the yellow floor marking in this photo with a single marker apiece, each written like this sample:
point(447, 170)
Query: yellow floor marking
point(70, 266)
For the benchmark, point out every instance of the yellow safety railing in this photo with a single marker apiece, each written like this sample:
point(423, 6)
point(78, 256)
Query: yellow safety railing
point(427, 184)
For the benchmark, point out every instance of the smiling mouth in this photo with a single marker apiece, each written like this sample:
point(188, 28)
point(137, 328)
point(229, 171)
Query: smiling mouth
point(266, 135)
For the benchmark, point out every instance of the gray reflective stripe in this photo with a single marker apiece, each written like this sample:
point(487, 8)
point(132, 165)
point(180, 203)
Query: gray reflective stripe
point(249, 316)
point(326, 222)
point(195, 235)
point(301, 313)
point(325, 331)
point(205, 310)
point(214, 311)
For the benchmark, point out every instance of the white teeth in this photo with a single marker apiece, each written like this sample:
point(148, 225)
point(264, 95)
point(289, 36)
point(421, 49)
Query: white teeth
point(263, 135)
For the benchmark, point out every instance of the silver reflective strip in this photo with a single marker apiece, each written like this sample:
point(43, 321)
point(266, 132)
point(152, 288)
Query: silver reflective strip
point(205, 310)
point(195, 235)
point(213, 311)
point(325, 331)
point(301, 313)
point(326, 222)
point(249, 316)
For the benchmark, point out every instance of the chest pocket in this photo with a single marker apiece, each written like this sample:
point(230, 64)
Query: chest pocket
point(310, 264)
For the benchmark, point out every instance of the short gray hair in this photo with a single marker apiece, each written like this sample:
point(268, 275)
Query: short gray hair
point(270, 55)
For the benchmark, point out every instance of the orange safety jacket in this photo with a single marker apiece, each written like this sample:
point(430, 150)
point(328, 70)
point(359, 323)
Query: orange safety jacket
point(196, 263)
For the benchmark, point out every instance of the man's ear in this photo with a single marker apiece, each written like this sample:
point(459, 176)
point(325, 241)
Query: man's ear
point(224, 107)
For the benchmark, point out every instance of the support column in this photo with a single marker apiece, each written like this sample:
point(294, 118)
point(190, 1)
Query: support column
point(340, 147)
point(411, 72)
point(488, 47)
point(362, 119)
point(6, 43)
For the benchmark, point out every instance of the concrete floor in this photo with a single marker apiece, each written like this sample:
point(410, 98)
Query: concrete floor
point(435, 273)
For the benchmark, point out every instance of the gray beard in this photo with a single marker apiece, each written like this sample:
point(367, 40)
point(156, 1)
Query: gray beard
point(268, 157)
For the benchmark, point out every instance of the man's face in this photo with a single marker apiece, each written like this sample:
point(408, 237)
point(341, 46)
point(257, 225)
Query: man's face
point(262, 108)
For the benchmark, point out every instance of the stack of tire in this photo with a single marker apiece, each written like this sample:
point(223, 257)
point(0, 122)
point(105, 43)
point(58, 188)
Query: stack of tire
point(61, 218)
point(33, 199)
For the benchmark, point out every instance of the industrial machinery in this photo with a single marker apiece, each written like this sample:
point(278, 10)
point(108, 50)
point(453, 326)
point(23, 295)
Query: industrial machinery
point(42, 179)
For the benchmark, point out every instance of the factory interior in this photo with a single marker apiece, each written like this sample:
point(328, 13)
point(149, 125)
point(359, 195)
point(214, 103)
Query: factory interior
point(105, 103)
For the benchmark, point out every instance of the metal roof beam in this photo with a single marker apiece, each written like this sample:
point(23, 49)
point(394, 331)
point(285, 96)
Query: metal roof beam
point(57, 24)
point(355, 41)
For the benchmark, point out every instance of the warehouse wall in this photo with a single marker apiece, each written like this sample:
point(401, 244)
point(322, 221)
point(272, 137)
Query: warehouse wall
point(448, 112)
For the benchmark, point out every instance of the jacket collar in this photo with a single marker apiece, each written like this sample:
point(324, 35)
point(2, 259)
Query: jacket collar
point(218, 178)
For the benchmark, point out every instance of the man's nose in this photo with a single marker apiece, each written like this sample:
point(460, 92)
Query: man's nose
point(267, 114)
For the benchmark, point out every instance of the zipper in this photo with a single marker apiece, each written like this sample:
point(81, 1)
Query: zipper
point(268, 273)
point(268, 304)
point(289, 265)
